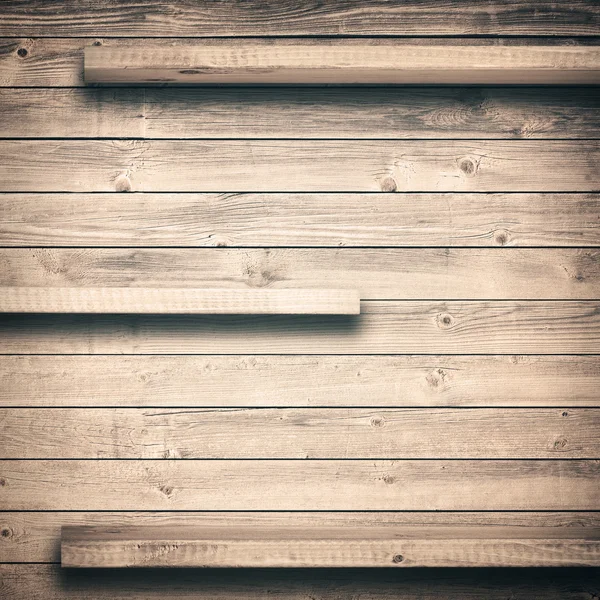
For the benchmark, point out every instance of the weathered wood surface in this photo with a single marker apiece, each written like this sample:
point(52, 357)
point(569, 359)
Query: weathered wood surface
point(58, 62)
point(351, 220)
point(389, 274)
point(349, 17)
point(384, 327)
point(42, 62)
point(385, 113)
point(331, 485)
point(298, 166)
point(396, 62)
point(299, 433)
point(41, 582)
point(35, 536)
point(297, 381)
point(189, 301)
point(444, 546)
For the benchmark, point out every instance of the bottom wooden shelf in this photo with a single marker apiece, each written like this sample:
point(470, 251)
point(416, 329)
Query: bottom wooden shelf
point(430, 546)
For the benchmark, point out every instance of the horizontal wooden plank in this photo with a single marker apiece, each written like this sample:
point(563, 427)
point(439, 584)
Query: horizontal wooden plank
point(58, 62)
point(299, 433)
point(64, 112)
point(41, 582)
point(377, 273)
point(35, 536)
point(399, 62)
point(299, 485)
point(352, 17)
point(388, 113)
point(385, 327)
point(342, 546)
point(351, 220)
point(41, 62)
point(190, 301)
point(298, 166)
point(288, 381)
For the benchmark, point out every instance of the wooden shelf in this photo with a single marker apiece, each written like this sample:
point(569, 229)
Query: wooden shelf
point(342, 63)
point(429, 546)
point(179, 301)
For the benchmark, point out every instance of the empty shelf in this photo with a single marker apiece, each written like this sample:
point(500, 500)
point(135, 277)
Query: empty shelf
point(430, 546)
point(353, 62)
point(179, 301)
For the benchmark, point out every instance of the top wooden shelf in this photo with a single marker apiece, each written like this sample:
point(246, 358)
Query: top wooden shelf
point(342, 63)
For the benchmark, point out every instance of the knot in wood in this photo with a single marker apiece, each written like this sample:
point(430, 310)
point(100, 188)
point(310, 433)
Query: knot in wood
point(501, 237)
point(123, 183)
point(560, 443)
point(388, 184)
point(444, 321)
point(467, 166)
point(22, 52)
point(377, 421)
point(436, 378)
point(167, 490)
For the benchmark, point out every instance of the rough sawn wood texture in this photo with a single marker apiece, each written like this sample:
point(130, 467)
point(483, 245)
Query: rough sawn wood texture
point(465, 395)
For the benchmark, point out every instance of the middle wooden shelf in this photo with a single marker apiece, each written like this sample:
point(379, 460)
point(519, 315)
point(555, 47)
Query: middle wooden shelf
point(120, 300)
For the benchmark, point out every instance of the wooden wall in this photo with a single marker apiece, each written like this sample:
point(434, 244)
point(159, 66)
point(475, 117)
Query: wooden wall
point(466, 392)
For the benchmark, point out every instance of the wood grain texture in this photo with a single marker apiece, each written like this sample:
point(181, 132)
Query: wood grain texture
point(299, 485)
point(58, 62)
point(299, 433)
point(385, 327)
point(386, 113)
point(459, 546)
point(377, 273)
point(41, 62)
point(43, 582)
point(189, 301)
point(371, 382)
point(64, 112)
point(342, 63)
point(298, 166)
point(296, 381)
point(348, 17)
point(35, 536)
point(335, 220)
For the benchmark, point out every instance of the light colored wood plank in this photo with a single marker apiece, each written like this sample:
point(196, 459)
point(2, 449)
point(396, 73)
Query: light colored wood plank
point(299, 485)
point(43, 582)
point(41, 62)
point(298, 166)
point(395, 63)
point(47, 61)
point(350, 220)
point(296, 381)
point(385, 327)
point(64, 112)
point(35, 536)
point(85, 433)
point(343, 546)
point(353, 17)
point(390, 113)
point(377, 273)
point(189, 301)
